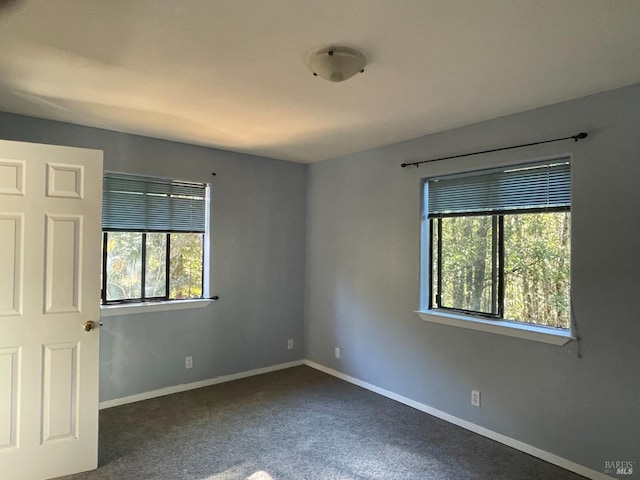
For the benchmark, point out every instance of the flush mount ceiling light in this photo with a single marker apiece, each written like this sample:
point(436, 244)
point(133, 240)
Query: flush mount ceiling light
point(337, 64)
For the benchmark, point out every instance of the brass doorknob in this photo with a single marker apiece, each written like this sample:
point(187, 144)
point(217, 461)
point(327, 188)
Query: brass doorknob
point(88, 325)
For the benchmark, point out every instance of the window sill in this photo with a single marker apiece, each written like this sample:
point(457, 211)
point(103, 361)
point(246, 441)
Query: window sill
point(500, 327)
point(135, 308)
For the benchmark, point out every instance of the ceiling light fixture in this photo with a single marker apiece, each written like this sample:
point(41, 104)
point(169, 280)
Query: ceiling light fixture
point(337, 64)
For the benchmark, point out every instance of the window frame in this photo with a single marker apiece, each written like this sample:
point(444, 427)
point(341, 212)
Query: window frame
point(471, 320)
point(498, 263)
point(147, 304)
point(143, 298)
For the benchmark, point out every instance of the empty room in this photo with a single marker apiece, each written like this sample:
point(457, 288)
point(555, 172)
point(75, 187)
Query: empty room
point(301, 239)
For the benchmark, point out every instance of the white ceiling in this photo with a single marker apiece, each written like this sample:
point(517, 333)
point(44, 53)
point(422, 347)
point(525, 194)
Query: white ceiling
point(232, 74)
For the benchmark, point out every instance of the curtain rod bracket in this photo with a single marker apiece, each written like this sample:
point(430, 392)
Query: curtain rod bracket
point(580, 136)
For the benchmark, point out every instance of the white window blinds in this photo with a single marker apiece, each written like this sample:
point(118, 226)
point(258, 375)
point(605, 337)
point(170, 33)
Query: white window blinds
point(147, 204)
point(537, 186)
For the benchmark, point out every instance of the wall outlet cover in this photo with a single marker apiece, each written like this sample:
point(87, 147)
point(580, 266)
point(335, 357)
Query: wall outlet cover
point(475, 398)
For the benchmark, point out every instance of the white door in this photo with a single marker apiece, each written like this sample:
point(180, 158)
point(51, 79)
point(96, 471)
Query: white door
point(50, 216)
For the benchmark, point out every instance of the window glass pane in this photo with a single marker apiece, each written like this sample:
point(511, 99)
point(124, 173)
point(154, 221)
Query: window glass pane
point(434, 263)
point(156, 267)
point(467, 264)
point(537, 268)
point(186, 265)
point(124, 258)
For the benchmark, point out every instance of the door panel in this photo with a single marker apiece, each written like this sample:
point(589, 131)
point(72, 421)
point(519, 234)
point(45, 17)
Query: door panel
point(60, 399)
point(11, 259)
point(9, 358)
point(65, 180)
point(11, 177)
point(50, 211)
point(63, 277)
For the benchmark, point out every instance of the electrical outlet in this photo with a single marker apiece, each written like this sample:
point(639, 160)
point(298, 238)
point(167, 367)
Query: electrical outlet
point(290, 344)
point(337, 352)
point(188, 362)
point(475, 398)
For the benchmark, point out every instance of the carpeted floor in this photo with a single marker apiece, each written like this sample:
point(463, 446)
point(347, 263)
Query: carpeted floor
point(296, 424)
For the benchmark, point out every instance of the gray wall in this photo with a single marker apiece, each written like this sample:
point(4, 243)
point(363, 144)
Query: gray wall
point(257, 247)
point(363, 254)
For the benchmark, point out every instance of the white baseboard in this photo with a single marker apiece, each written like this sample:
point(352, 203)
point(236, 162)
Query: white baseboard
point(190, 386)
point(485, 432)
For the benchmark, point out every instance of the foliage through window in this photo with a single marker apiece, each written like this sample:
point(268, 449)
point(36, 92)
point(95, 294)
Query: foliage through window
point(153, 240)
point(500, 243)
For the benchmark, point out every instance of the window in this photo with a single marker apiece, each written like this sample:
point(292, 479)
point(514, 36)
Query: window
point(153, 239)
point(499, 243)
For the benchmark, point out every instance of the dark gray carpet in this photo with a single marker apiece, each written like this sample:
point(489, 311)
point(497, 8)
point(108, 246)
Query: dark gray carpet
point(297, 424)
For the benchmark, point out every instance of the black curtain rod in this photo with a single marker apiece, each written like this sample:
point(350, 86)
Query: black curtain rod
point(576, 137)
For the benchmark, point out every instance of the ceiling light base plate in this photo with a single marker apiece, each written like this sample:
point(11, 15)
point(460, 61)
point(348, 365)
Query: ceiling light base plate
point(337, 64)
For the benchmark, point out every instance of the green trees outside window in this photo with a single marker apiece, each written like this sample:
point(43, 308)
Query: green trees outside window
point(509, 266)
point(141, 266)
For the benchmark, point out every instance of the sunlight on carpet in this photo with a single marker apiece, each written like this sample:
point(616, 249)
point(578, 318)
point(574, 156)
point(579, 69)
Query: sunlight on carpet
point(259, 475)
